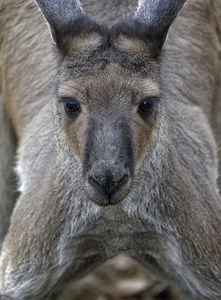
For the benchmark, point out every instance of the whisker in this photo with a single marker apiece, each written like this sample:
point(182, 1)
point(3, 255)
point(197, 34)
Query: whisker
point(37, 131)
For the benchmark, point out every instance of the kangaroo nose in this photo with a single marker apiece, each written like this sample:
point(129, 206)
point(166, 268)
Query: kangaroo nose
point(108, 184)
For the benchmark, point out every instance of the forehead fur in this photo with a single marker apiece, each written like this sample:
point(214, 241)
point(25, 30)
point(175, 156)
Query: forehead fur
point(109, 79)
point(122, 44)
point(86, 42)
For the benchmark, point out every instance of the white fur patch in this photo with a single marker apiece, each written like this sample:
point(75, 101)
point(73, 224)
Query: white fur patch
point(21, 180)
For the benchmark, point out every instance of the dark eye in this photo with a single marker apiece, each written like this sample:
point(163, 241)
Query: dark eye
point(146, 105)
point(70, 105)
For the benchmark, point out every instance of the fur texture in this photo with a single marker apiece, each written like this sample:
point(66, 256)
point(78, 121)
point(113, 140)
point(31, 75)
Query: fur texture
point(168, 213)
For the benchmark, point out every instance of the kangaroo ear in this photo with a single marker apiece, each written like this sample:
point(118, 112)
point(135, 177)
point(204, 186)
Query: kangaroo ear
point(156, 17)
point(62, 17)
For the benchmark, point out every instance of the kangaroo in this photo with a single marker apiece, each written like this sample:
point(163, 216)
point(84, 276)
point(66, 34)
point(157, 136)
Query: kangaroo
point(116, 113)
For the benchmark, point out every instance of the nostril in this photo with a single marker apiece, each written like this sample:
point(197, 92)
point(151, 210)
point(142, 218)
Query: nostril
point(123, 180)
point(108, 185)
point(96, 183)
point(93, 180)
point(115, 183)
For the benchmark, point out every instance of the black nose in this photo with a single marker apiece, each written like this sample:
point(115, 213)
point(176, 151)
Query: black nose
point(109, 184)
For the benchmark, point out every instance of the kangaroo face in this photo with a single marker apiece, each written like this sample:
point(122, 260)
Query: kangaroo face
point(108, 119)
point(108, 95)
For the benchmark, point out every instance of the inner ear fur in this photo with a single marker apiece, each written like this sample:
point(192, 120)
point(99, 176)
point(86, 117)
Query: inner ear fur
point(151, 23)
point(66, 20)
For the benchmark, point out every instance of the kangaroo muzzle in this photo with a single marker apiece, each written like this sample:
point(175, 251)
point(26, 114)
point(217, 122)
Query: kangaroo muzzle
point(108, 160)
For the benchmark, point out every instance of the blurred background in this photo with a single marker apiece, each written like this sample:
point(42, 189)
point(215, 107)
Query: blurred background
point(120, 279)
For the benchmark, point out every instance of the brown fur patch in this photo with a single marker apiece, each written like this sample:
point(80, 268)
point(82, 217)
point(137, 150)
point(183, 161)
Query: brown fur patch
point(131, 44)
point(85, 42)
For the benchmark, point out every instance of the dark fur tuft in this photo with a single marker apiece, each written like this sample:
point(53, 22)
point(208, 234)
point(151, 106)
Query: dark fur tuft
point(136, 29)
point(81, 26)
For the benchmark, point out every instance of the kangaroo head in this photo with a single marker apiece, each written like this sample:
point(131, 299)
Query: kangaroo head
point(108, 93)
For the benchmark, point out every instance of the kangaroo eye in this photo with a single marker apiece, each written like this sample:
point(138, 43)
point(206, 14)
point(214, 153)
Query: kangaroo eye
point(71, 105)
point(146, 105)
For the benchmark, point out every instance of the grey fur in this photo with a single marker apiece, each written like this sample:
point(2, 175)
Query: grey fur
point(170, 219)
point(60, 17)
point(5, 298)
point(7, 163)
point(158, 16)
